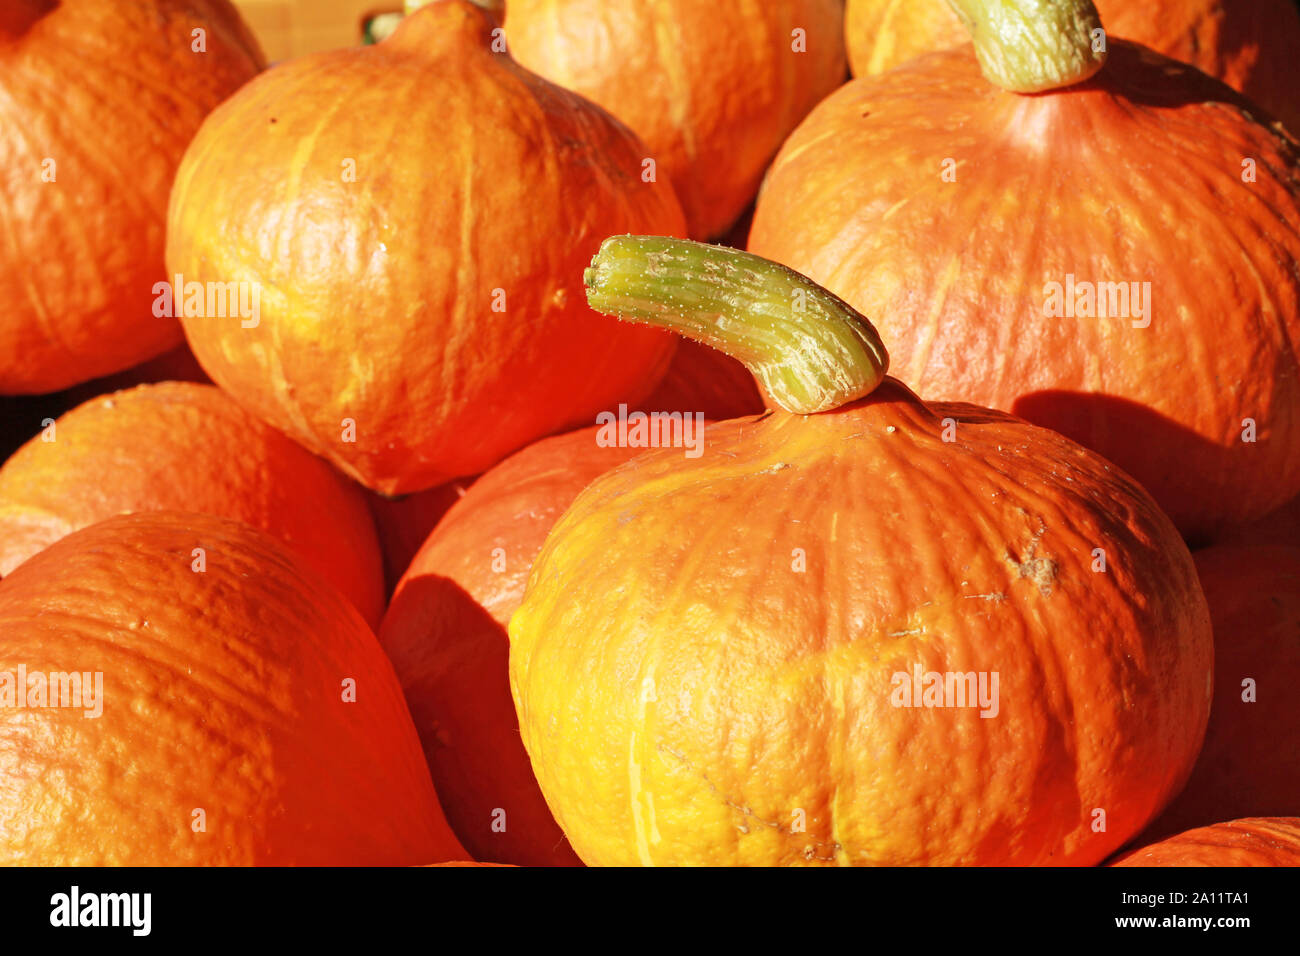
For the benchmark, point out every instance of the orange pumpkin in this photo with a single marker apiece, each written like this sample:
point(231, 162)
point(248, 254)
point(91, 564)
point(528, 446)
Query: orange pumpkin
point(907, 632)
point(1249, 45)
point(712, 88)
point(182, 446)
point(1270, 841)
point(1118, 260)
point(1250, 763)
point(467, 863)
point(704, 380)
point(404, 523)
point(100, 99)
point(242, 712)
point(421, 314)
point(445, 632)
point(1277, 527)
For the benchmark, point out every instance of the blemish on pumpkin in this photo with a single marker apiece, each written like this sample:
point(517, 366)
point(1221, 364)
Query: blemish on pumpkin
point(744, 810)
point(810, 853)
point(1041, 570)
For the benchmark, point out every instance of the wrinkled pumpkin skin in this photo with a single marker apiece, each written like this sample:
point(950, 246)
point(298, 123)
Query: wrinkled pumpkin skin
point(1134, 177)
point(445, 633)
point(711, 88)
point(1266, 841)
point(1249, 44)
point(1249, 765)
point(719, 692)
point(110, 93)
point(223, 690)
point(435, 303)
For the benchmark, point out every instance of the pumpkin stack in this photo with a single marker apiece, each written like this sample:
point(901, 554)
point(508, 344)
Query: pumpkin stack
point(392, 476)
point(1113, 257)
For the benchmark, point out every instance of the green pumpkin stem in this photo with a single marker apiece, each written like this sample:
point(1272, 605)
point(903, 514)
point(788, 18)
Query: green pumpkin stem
point(810, 350)
point(1028, 46)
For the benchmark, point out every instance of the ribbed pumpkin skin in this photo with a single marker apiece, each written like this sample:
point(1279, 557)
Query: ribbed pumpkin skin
point(181, 446)
point(378, 294)
point(705, 380)
point(445, 632)
point(1250, 763)
point(1253, 842)
point(1134, 178)
point(111, 92)
point(711, 88)
point(223, 690)
point(685, 691)
point(1249, 45)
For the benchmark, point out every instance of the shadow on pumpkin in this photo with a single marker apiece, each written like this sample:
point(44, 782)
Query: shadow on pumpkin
point(1145, 78)
point(1155, 450)
point(452, 659)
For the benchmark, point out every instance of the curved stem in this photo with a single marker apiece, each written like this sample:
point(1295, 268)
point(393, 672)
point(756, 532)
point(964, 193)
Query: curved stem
point(810, 350)
point(1028, 46)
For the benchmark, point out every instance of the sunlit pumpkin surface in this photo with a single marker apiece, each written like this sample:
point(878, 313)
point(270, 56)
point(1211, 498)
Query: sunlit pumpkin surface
point(224, 692)
point(720, 690)
point(1249, 44)
point(711, 88)
point(1253, 842)
point(100, 99)
point(944, 208)
point(420, 268)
